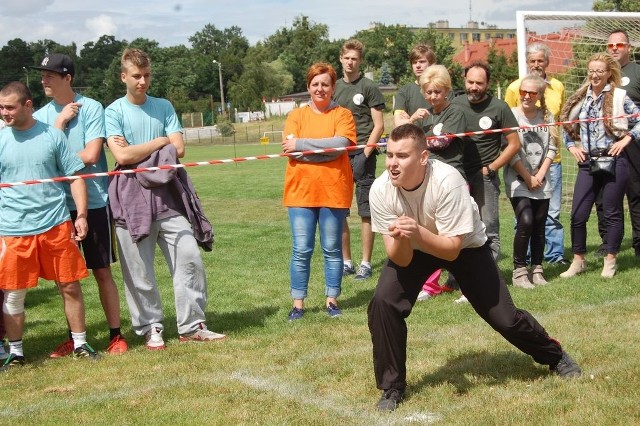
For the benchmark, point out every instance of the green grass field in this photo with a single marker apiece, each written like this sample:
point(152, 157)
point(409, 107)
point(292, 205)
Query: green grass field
point(318, 371)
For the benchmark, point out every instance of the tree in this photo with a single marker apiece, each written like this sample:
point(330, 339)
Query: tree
point(15, 60)
point(95, 60)
point(386, 43)
point(385, 77)
point(503, 70)
point(298, 47)
point(616, 5)
point(228, 47)
point(260, 80)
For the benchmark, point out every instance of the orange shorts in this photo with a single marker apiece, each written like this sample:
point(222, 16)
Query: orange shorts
point(53, 255)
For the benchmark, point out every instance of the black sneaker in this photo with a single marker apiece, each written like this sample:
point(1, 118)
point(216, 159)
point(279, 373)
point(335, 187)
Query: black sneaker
point(13, 361)
point(566, 367)
point(86, 351)
point(390, 399)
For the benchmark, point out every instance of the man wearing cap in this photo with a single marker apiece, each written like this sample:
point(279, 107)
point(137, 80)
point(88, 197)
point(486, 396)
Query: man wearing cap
point(82, 121)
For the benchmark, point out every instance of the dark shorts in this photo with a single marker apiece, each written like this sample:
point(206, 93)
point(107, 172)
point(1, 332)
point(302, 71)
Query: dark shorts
point(364, 173)
point(98, 246)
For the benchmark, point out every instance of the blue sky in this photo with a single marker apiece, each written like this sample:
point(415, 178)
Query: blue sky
point(173, 22)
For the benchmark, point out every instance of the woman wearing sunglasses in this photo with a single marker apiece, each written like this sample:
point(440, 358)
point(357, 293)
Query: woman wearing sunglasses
point(527, 182)
point(603, 131)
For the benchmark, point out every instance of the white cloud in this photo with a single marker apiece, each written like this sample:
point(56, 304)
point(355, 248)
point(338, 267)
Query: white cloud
point(101, 25)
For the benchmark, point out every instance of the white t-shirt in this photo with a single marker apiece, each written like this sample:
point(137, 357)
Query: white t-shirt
point(442, 204)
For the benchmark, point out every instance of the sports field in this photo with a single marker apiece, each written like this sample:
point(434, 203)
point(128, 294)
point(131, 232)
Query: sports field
point(318, 371)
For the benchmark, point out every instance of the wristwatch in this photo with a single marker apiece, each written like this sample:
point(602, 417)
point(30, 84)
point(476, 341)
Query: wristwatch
point(490, 172)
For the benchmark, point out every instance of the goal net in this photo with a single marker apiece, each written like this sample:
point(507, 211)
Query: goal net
point(572, 37)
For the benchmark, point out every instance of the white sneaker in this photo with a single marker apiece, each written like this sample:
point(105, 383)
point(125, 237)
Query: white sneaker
point(154, 339)
point(3, 353)
point(461, 299)
point(423, 295)
point(202, 334)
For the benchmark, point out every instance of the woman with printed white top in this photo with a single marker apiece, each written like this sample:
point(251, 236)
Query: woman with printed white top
point(527, 180)
point(600, 97)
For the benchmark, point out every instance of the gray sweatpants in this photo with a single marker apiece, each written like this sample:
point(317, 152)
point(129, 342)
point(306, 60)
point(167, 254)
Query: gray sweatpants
point(176, 241)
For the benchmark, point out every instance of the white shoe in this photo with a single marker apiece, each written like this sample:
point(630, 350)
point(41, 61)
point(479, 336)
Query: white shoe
point(423, 295)
point(461, 299)
point(154, 339)
point(202, 334)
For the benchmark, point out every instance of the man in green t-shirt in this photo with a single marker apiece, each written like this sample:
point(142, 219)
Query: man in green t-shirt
point(410, 105)
point(483, 153)
point(365, 101)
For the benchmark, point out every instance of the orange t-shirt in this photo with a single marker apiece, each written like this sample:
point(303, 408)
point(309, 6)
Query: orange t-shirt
point(327, 184)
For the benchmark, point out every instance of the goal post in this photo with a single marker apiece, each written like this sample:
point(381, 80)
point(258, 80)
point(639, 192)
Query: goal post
point(572, 38)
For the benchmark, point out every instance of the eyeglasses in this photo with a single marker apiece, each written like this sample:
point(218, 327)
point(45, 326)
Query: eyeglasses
point(433, 92)
point(597, 72)
point(524, 93)
point(617, 45)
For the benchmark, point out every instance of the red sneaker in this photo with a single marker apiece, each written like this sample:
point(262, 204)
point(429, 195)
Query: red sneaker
point(63, 349)
point(117, 346)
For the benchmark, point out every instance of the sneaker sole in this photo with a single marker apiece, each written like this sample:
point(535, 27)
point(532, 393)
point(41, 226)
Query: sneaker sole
point(189, 339)
point(155, 348)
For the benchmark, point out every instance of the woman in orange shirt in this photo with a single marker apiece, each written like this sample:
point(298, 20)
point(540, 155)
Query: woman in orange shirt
point(318, 188)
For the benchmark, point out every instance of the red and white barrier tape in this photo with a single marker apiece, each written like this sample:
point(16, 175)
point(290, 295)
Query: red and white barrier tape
point(292, 154)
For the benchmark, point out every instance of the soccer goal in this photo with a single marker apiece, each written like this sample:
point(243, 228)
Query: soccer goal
point(572, 37)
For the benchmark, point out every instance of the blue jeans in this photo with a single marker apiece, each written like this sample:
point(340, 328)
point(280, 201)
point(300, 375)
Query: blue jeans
point(486, 193)
point(553, 231)
point(303, 222)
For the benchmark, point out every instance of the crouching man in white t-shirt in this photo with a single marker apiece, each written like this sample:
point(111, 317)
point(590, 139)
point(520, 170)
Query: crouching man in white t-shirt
point(428, 221)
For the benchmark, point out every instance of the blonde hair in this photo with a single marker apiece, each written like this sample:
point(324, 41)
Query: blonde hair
point(436, 75)
point(614, 81)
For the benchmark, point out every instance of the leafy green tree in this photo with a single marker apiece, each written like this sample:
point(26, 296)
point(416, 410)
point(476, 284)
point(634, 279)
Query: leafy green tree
point(15, 59)
point(504, 69)
point(298, 47)
point(386, 43)
point(228, 47)
point(95, 60)
point(260, 80)
point(616, 5)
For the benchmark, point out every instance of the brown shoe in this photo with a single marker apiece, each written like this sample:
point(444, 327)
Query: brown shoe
point(520, 278)
point(536, 275)
point(577, 267)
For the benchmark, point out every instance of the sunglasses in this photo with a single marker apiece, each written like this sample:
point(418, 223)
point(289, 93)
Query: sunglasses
point(617, 45)
point(524, 93)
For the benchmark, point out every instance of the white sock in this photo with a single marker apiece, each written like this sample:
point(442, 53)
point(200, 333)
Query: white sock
point(15, 347)
point(367, 264)
point(348, 263)
point(79, 339)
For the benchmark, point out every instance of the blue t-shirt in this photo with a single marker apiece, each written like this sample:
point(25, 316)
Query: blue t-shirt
point(141, 123)
point(85, 127)
point(40, 152)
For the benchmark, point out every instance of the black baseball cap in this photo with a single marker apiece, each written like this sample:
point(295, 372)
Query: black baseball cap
point(57, 62)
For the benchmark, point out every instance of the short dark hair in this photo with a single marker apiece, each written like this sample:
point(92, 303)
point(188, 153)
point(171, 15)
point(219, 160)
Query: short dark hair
point(621, 31)
point(410, 131)
point(18, 88)
point(479, 64)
